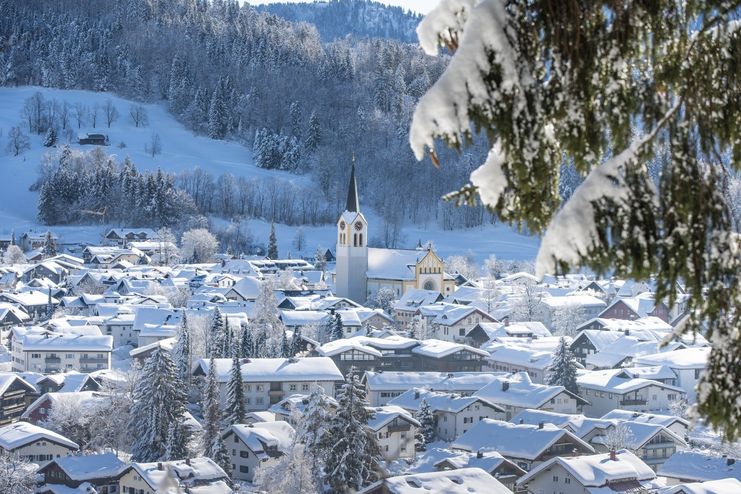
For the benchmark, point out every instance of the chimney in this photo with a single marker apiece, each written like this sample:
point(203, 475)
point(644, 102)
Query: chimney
point(627, 332)
point(505, 385)
point(541, 425)
point(479, 454)
point(506, 321)
point(613, 455)
point(522, 421)
point(159, 466)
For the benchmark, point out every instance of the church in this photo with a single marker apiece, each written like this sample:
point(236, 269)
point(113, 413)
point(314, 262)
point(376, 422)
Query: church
point(361, 271)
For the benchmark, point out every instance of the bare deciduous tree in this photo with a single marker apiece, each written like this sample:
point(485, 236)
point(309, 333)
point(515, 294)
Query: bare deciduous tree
point(80, 114)
point(138, 115)
point(110, 112)
point(17, 141)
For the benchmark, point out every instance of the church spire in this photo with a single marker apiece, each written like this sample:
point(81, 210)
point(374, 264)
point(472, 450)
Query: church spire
point(353, 203)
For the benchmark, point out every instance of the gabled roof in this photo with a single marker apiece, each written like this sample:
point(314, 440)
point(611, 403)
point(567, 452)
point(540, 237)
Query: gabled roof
point(694, 465)
point(462, 481)
point(438, 401)
point(597, 470)
point(722, 486)
point(519, 391)
point(275, 369)
point(648, 418)
point(261, 436)
point(385, 414)
point(194, 470)
point(618, 381)
point(515, 441)
point(441, 349)
point(20, 434)
point(488, 461)
point(89, 467)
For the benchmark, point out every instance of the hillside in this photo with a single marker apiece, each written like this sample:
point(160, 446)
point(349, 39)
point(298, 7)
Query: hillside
point(359, 18)
point(182, 151)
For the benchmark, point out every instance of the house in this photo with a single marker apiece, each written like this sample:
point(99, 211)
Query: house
point(525, 445)
point(66, 382)
point(35, 444)
point(454, 322)
point(520, 358)
point(32, 302)
point(15, 394)
point(101, 471)
point(487, 331)
point(122, 236)
point(617, 471)
point(694, 466)
point(631, 308)
point(608, 390)
point(268, 380)
point(12, 315)
point(52, 352)
point(32, 240)
point(491, 462)
point(462, 481)
point(446, 356)
point(677, 425)
point(517, 392)
point(289, 409)
point(587, 306)
point(688, 364)
point(454, 414)
point(92, 139)
point(194, 474)
point(395, 431)
point(87, 401)
point(250, 445)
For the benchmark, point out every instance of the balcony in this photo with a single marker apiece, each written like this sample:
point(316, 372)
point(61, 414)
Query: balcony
point(93, 360)
point(633, 402)
point(399, 428)
point(53, 360)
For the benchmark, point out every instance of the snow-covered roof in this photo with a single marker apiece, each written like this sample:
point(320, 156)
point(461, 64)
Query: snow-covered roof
point(303, 317)
point(693, 465)
point(67, 342)
point(440, 381)
point(416, 297)
point(519, 329)
point(559, 302)
point(597, 470)
point(192, 470)
point(260, 436)
point(7, 379)
point(722, 486)
point(385, 414)
point(343, 345)
point(515, 440)
point(276, 369)
point(393, 264)
point(89, 467)
point(441, 349)
point(438, 401)
point(617, 381)
point(520, 356)
point(19, 434)
point(687, 358)
point(488, 461)
point(519, 391)
point(649, 418)
point(462, 481)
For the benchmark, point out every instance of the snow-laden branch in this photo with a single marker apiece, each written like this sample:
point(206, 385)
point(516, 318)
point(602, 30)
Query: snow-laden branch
point(443, 24)
point(573, 231)
point(444, 110)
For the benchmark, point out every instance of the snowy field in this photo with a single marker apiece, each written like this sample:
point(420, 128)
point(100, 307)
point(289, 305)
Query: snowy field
point(182, 150)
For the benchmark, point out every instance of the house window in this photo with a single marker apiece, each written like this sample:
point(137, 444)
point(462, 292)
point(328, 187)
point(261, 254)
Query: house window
point(244, 454)
point(555, 478)
point(304, 387)
point(292, 387)
point(244, 469)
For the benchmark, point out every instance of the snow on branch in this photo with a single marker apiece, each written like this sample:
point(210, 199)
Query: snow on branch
point(573, 231)
point(444, 110)
point(443, 24)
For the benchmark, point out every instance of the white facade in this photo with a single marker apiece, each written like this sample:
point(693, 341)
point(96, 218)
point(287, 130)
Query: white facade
point(644, 399)
point(59, 353)
point(351, 266)
point(451, 425)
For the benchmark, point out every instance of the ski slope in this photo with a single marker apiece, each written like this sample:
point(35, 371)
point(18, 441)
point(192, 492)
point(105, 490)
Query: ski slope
point(182, 150)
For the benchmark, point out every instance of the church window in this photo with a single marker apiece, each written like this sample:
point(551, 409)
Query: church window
point(429, 285)
point(361, 239)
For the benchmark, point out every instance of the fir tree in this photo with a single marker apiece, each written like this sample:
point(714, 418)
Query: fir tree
point(210, 410)
point(159, 401)
point(562, 371)
point(313, 135)
point(353, 453)
point(247, 346)
point(427, 429)
point(285, 347)
point(272, 243)
point(235, 408)
point(176, 445)
point(181, 351)
point(50, 139)
point(337, 329)
point(296, 341)
point(313, 427)
point(217, 335)
point(218, 115)
point(220, 454)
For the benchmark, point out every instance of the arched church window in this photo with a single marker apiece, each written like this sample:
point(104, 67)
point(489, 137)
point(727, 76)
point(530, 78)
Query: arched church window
point(429, 285)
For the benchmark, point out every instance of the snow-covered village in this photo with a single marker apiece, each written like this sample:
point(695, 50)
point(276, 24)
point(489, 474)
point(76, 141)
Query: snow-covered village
point(370, 247)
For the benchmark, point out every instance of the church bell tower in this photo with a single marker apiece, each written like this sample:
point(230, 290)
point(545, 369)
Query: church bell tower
point(352, 248)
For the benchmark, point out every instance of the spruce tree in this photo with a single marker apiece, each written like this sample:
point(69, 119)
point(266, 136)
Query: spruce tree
point(313, 135)
point(181, 351)
point(247, 345)
point(609, 88)
point(159, 401)
point(352, 452)
point(337, 329)
point(217, 335)
point(220, 454)
point(218, 114)
point(312, 428)
point(51, 137)
point(210, 410)
point(50, 245)
point(285, 346)
point(426, 419)
point(272, 243)
point(176, 445)
point(562, 370)
point(235, 407)
point(296, 341)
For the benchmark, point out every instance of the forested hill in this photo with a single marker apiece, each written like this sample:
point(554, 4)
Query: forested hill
point(231, 72)
point(361, 18)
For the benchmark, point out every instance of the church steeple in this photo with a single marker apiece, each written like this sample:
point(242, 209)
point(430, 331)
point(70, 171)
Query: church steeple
point(353, 203)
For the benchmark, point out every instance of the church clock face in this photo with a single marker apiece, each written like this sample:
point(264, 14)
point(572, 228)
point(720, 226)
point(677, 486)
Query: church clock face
point(358, 226)
point(342, 225)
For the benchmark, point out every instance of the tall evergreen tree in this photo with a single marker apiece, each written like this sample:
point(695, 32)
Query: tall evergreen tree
point(247, 345)
point(426, 419)
point(338, 331)
point(235, 407)
point(181, 352)
point(218, 114)
point(210, 410)
point(176, 445)
point(562, 371)
point(313, 135)
point(353, 455)
point(217, 335)
point(272, 243)
point(159, 401)
point(220, 454)
point(296, 341)
point(313, 427)
point(285, 346)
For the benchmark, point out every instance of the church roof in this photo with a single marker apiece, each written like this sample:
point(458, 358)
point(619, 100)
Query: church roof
point(353, 202)
point(392, 264)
